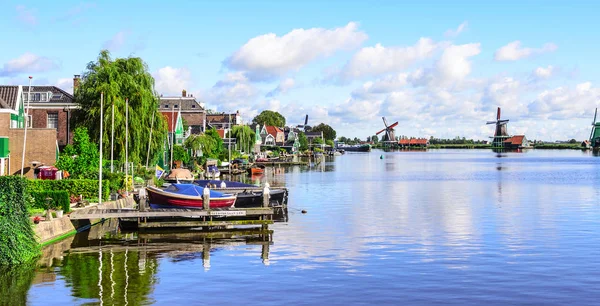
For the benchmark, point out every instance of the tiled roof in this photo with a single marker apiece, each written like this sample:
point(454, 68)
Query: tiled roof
point(3, 104)
point(220, 118)
point(273, 130)
point(515, 140)
point(9, 94)
point(65, 97)
point(413, 141)
point(404, 141)
point(170, 120)
point(221, 133)
point(185, 104)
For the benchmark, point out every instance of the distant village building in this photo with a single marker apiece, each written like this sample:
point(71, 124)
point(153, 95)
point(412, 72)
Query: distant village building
point(272, 136)
point(223, 120)
point(516, 142)
point(192, 112)
point(413, 142)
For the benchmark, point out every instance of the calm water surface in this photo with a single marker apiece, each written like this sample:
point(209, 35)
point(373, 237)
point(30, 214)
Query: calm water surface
point(416, 228)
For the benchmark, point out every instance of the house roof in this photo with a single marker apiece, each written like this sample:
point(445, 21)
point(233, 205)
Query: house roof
point(170, 117)
point(404, 141)
point(273, 130)
point(59, 95)
point(186, 104)
point(3, 104)
point(515, 140)
point(413, 141)
point(221, 133)
point(313, 134)
point(220, 118)
point(10, 95)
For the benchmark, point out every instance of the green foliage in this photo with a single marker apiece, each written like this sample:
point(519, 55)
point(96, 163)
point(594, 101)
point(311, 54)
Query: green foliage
point(17, 239)
point(303, 141)
point(60, 200)
point(210, 144)
point(244, 136)
point(116, 181)
point(375, 139)
point(328, 132)
point(269, 118)
point(81, 159)
point(87, 188)
point(317, 141)
point(329, 142)
point(181, 154)
point(120, 79)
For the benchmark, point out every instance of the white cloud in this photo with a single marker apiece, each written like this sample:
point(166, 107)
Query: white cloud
point(381, 86)
point(269, 55)
point(116, 42)
point(514, 51)
point(454, 32)
point(28, 63)
point(75, 12)
point(283, 87)
point(26, 15)
point(378, 60)
point(505, 93)
point(454, 65)
point(65, 84)
point(233, 92)
point(563, 103)
point(544, 72)
point(171, 81)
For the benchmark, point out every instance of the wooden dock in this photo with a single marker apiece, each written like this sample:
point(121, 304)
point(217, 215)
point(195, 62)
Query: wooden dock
point(171, 212)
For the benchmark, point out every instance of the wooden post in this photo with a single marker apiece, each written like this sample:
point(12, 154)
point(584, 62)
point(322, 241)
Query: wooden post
point(206, 198)
point(266, 195)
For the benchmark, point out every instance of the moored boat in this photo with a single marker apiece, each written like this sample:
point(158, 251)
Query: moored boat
point(256, 169)
point(355, 148)
point(187, 196)
point(247, 195)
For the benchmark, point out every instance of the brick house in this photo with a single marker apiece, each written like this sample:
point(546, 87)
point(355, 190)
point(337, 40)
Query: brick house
point(223, 120)
point(192, 112)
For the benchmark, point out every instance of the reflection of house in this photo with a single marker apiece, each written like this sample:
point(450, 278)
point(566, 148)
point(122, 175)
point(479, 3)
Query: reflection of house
point(223, 120)
point(516, 142)
point(413, 142)
point(192, 112)
point(272, 136)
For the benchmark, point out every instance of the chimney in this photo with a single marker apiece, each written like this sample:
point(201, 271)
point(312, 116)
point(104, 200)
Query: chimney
point(183, 93)
point(76, 79)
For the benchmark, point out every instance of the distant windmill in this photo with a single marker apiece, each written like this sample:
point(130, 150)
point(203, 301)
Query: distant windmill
point(303, 127)
point(595, 133)
point(500, 134)
point(389, 136)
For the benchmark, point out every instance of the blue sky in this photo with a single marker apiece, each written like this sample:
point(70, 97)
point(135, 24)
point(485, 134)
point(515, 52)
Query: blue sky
point(438, 67)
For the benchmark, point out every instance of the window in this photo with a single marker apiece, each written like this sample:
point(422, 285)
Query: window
point(193, 105)
point(43, 97)
point(53, 120)
point(36, 96)
point(29, 121)
point(56, 96)
point(166, 106)
point(24, 97)
point(176, 105)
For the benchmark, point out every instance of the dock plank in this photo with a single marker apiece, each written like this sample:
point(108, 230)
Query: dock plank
point(123, 213)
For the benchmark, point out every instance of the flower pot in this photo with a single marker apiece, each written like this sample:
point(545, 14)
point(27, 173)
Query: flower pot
point(59, 213)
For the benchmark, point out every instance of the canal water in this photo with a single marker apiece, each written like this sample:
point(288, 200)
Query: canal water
point(451, 227)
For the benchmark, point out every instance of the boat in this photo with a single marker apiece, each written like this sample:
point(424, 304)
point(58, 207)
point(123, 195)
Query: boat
point(212, 171)
point(354, 148)
point(247, 195)
point(256, 169)
point(187, 196)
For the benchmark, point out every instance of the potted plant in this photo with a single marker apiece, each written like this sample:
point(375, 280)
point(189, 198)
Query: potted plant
point(37, 219)
point(59, 213)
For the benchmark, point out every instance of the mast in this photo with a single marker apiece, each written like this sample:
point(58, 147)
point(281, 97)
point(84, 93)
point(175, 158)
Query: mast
point(112, 138)
point(126, 145)
point(26, 123)
point(100, 145)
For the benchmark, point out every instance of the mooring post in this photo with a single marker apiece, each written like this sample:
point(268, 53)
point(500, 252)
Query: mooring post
point(266, 195)
point(206, 198)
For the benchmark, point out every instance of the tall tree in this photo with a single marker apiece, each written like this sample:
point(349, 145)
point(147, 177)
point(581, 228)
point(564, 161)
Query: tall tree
point(303, 141)
point(269, 118)
point(120, 79)
point(81, 158)
point(244, 136)
point(328, 132)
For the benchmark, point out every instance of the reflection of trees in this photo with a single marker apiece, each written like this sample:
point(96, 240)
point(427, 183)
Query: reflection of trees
point(15, 283)
point(115, 277)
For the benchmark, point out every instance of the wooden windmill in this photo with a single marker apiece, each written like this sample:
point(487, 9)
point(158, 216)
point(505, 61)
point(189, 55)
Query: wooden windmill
point(303, 127)
point(389, 136)
point(500, 133)
point(595, 133)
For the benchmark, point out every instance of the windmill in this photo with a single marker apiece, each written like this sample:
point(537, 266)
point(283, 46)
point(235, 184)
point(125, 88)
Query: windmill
point(500, 133)
point(389, 136)
point(595, 133)
point(303, 127)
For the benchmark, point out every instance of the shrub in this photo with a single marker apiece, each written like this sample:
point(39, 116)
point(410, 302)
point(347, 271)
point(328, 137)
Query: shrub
point(17, 242)
point(87, 188)
point(60, 200)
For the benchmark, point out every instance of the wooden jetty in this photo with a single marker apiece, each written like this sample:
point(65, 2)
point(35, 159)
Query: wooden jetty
point(282, 163)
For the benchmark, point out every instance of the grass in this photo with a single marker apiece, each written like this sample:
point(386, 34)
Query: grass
point(36, 212)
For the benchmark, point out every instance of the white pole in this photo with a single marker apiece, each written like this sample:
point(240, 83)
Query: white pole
point(229, 143)
point(126, 145)
point(150, 138)
point(100, 145)
point(112, 138)
point(26, 122)
point(172, 133)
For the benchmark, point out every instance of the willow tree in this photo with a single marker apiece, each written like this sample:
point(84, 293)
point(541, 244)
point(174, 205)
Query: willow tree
point(244, 136)
point(121, 79)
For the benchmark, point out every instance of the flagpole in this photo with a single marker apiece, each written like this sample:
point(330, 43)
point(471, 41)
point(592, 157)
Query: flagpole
point(126, 145)
point(150, 139)
point(112, 138)
point(25, 131)
point(100, 145)
point(172, 134)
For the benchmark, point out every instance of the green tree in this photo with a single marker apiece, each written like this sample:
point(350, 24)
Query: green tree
point(269, 118)
point(120, 79)
point(81, 158)
point(328, 132)
point(303, 141)
point(180, 153)
point(329, 143)
point(317, 141)
point(375, 139)
point(244, 136)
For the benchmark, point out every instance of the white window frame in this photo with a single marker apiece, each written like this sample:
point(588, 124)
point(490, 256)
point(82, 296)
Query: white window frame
point(48, 120)
point(29, 118)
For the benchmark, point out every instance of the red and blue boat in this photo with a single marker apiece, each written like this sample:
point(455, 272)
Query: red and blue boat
point(187, 196)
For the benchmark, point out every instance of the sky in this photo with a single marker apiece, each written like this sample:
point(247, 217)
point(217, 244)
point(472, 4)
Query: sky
point(439, 68)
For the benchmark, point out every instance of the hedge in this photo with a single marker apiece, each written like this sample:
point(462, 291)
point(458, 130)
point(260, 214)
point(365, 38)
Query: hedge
point(87, 188)
point(60, 199)
point(17, 239)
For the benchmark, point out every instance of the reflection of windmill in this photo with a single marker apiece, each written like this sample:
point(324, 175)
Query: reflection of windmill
point(500, 133)
point(595, 133)
point(389, 136)
point(303, 127)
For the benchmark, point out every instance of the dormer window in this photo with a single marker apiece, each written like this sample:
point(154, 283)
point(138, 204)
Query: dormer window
point(193, 106)
point(166, 106)
point(176, 106)
point(57, 96)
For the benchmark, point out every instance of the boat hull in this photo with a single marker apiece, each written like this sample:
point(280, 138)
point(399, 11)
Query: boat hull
point(356, 149)
point(255, 199)
point(163, 198)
